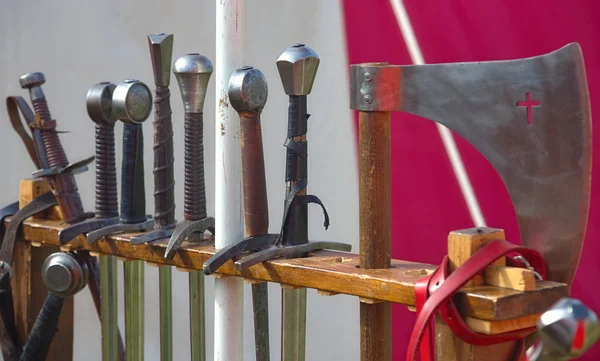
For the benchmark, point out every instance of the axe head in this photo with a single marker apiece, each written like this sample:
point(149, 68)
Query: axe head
point(530, 118)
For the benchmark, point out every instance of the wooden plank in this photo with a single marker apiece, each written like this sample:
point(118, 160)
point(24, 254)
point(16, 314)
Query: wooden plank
point(497, 327)
point(326, 270)
point(520, 279)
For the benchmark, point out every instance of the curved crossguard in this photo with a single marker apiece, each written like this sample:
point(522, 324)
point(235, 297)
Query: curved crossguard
point(100, 110)
point(567, 330)
point(530, 118)
point(193, 73)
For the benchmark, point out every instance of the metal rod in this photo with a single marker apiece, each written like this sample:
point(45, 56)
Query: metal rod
point(228, 336)
point(166, 313)
point(293, 324)
point(108, 300)
point(374, 203)
point(134, 310)
point(197, 319)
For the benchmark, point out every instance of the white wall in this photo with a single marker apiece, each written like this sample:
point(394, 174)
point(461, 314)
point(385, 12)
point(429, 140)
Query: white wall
point(78, 43)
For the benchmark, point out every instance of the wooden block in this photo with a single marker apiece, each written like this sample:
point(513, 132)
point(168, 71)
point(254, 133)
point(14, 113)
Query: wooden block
point(29, 189)
point(220, 275)
point(289, 287)
point(450, 347)
point(497, 327)
point(65, 248)
point(252, 281)
point(369, 301)
point(94, 254)
point(462, 244)
point(36, 244)
point(152, 264)
point(122, 259)
point(327, 293)
point(412, 308)
point(182, 269)
point(520, 279)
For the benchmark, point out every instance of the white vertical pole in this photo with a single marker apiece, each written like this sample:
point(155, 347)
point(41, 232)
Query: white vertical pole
point(229, 221)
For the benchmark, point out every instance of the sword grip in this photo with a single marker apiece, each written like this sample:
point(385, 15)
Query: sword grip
point(194, 206)
point(44, 329)
point(296, 168)
point(133, 193)
point(107, 203)
point(63, 186)
point(256, 207)
point(164, 182)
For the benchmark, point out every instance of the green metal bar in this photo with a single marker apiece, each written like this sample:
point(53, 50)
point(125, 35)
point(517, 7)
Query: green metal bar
point(197, 320)
point(108, 304)
point(166, 313)
point(293, 324)
point(134, 310)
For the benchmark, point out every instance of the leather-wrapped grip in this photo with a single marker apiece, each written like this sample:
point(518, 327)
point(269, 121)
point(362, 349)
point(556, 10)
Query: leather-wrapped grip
point(296, 168)
point(194, 206)
point(256, 207)
point(133, 194)
point(164, 182)
point(44, 329)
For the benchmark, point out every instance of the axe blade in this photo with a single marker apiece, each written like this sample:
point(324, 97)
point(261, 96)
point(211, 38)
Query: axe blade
point(530, 118)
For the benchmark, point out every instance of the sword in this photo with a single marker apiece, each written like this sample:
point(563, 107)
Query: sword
point(63, 274)
point(161, 49)
point(248, 93)
point(60, 175)
point(193, 73)
point(131, 102)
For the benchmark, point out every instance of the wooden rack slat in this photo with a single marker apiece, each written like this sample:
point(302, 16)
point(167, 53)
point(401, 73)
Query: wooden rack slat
point(327, 271)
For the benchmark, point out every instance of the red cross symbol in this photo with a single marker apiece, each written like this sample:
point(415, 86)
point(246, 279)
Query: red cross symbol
point(529, 103)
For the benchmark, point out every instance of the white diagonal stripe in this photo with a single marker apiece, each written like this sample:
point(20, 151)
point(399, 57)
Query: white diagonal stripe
point(451, 150)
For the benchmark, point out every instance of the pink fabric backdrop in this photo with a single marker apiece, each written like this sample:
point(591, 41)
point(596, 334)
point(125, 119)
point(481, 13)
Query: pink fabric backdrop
point(426, 199)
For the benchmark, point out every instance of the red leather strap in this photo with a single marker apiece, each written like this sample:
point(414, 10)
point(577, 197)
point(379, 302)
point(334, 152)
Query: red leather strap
point(441, 286)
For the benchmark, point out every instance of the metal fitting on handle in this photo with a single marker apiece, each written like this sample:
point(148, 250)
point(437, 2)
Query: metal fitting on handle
point(161, 50)
point(63, 274)
point(33, 82)
point(99, 103)
point(248, 90)
point(132, 101)
point(298, 67)
point(193, 73)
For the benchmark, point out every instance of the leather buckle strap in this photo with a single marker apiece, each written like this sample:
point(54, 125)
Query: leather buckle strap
point(433, 295)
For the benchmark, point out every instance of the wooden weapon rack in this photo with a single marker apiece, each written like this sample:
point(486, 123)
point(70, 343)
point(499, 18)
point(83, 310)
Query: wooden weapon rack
point(499, 300)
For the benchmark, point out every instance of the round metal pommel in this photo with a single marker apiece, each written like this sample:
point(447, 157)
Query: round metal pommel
point(63, 275)
point(193, 73)
point(132, 101)
point(568, 329)
point(99, 103)
point(31, 80)
point(248, 90)
point(297, 67)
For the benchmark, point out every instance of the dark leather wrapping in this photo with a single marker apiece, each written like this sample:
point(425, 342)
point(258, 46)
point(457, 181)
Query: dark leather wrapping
point(164, 182)
point(194, 206)
point(133, 193)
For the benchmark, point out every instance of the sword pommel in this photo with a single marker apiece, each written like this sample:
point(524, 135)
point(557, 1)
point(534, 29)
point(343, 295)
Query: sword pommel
point(248, 90)
point(132, 101)
point(193, 73)
point(99, 103)
point(161, 51)
point(63, 274)
point(33, 82)
point(568, 329)
point(297, 67)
